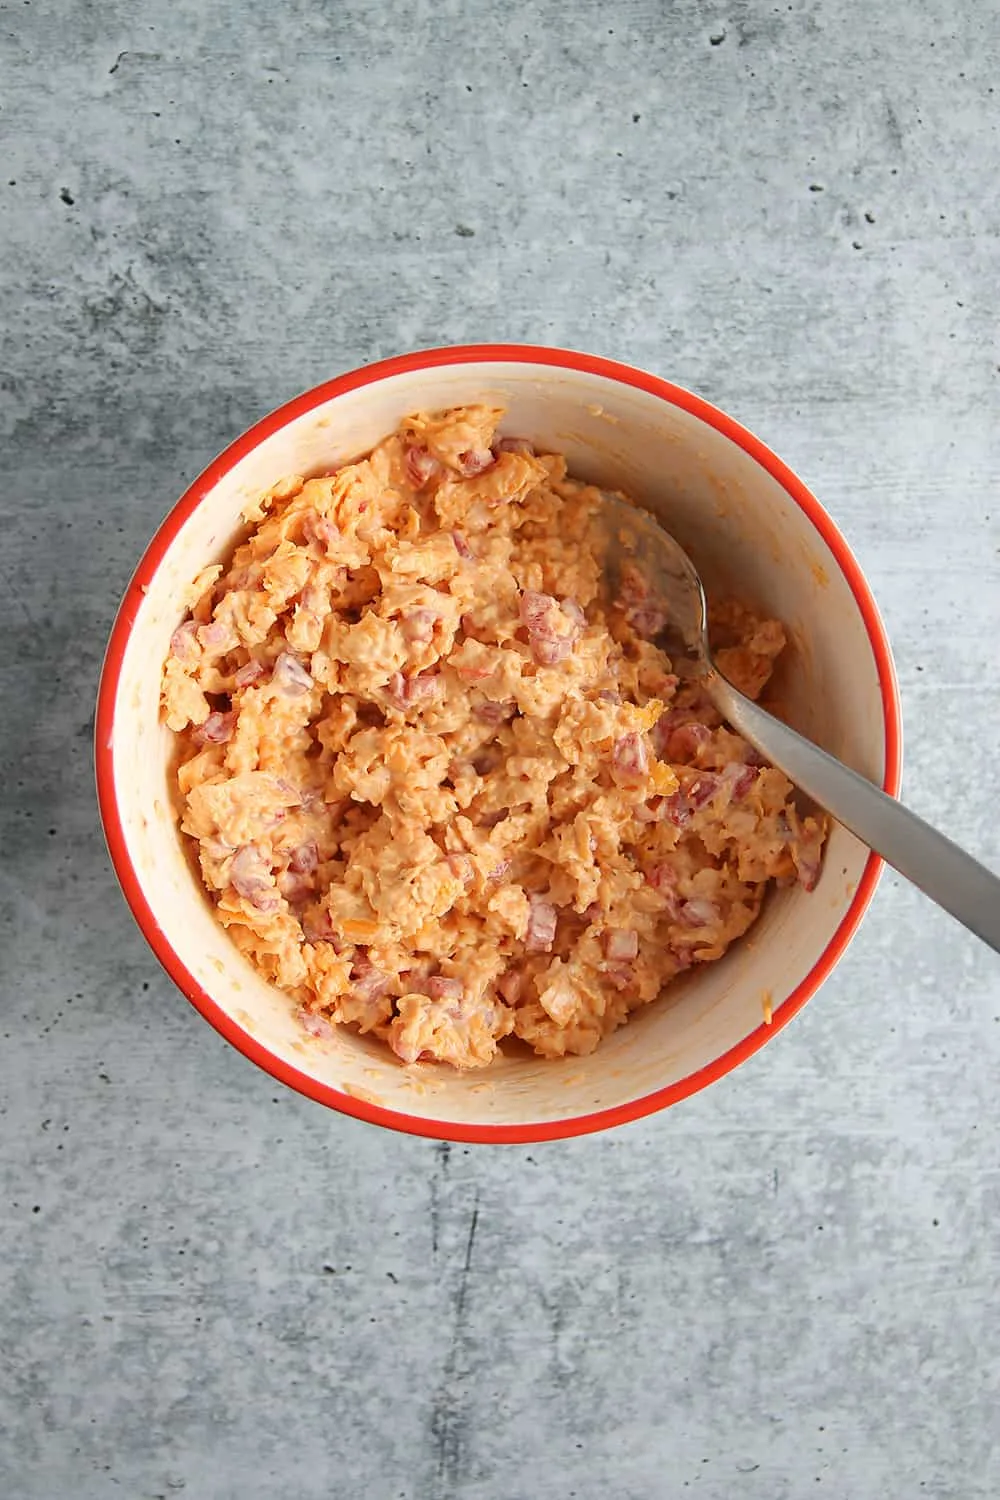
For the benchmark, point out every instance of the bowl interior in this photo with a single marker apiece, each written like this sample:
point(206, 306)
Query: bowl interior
point(747, 533)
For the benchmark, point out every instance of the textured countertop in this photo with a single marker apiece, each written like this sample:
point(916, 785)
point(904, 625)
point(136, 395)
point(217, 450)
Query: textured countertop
point(211, 1287)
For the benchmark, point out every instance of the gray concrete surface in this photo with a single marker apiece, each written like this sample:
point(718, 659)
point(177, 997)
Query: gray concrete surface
point(208, 1286)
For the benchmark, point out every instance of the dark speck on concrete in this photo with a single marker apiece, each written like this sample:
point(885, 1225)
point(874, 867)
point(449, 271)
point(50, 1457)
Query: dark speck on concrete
point(893, 128)
point(815, 187)
point(717, 38)
point(869, 218)
point(464, 232)
point(67, 196)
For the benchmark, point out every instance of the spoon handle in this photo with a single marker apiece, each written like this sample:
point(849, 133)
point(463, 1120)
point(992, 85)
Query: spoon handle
point(942, 871)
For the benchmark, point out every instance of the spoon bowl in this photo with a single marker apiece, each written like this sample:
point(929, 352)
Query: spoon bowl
point(636, 546)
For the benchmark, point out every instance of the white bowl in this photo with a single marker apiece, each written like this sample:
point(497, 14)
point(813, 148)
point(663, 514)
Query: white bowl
point(751, 525)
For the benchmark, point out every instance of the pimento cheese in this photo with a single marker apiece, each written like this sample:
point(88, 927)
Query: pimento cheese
point(441, 791)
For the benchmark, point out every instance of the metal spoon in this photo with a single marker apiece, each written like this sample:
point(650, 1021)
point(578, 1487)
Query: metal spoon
point(942, 871)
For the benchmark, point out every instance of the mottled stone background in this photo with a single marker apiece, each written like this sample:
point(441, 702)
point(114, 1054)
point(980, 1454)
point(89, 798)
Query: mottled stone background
point(208, 1286)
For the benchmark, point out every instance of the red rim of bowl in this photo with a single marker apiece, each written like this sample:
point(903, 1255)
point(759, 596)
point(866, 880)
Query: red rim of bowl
point(107, 695)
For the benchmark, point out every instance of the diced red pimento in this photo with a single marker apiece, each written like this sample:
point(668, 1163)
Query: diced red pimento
point(549, 651)
point(495, 713)
point(620, 975)
point(421, 466)
point(542, 922)
point(511, 986)
point(441, 987)
point(294, 887)
point(418, 625)
point(216, 729)
point(621, 945)
point(663, 879)
point(304, 859)
point(184, 642)
point(410, 692)
point(251, 672)
point(686, 740)
point(739, 778)
point(320, 530)
point(252, 879)
point(702, 789)
point(536, 609)
point(629, 759)
point(677, 810)
point(218, 637)
point(553, 627)
point(367, 981)
point(317, 927)
point(699, 912)
point(291, 676)
point(314, 1024)
point(475, 461)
